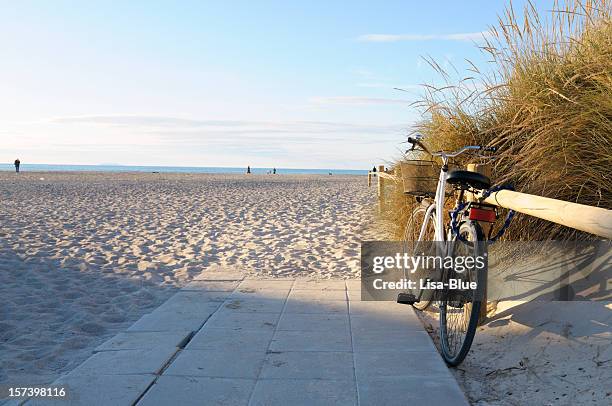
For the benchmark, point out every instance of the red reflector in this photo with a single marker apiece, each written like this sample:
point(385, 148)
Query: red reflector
point(482, 215)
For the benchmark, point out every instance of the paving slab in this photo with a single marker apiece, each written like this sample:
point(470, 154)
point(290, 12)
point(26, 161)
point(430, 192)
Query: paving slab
point(300, 392)
point(211, 286)
point(311, 341)
point(227, 340)
point(230, 318)
point(404, 391)
point(99, 390)
point(393, 341)
point(125, 362)
point(254, 305)
point(389, 364)
point(266, 284)
point(353, 285)
point(319, 284)
point(353, 294)
point(12, 402)
point(386, 309)
point(145, 340)
point(170, 321)
point(270, 342)
point(314, 322)
point(260, 293)
point(198, 391)
point(216, 273)
point(192, 303)
point(236, 276)
point(315, 306)
point(243, 363)
point(312, 365)
point(317, 294)
point(389, 323)
point(193, 300)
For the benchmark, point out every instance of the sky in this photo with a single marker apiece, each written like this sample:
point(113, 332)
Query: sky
point(306, 84)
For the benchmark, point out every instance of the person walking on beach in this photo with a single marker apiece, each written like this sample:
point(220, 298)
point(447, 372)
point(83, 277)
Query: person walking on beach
point(273, 171)
point(17, 163)
point(248, 169)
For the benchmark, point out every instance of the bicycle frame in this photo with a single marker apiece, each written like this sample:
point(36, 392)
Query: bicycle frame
point(441, 193)
point(438, 202)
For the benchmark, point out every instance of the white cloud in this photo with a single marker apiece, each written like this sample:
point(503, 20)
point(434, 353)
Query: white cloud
point(389, 86)
point(356, 100)
point(147, 121)
point(182, 126)
point(464, 36)
point(150, 139)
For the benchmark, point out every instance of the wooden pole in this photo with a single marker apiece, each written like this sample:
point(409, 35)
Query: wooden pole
point(369, 178)
point(483, 169)
point(381, 188)
point(594, 220)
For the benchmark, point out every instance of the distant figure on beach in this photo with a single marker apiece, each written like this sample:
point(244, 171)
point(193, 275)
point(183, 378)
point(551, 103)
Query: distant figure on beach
point(17, 163)
point(273, 171)
point(374, 169)
point(249, 169)
point(330, 174)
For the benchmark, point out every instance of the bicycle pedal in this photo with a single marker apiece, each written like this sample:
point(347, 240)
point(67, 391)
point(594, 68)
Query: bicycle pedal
point(407, 298)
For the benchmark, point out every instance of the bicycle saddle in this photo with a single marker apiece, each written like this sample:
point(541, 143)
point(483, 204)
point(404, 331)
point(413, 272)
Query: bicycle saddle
point(467, 178)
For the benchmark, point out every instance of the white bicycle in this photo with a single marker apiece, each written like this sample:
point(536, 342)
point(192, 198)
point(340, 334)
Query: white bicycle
point(463, 236)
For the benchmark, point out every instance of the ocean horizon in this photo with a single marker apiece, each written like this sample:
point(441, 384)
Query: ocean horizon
point(174, 169)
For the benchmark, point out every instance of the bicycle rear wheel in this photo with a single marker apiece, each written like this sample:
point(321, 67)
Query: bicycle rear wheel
point(460, 309)
point(412, 248)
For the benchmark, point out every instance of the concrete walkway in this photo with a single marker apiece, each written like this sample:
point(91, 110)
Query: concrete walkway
point(225, 340)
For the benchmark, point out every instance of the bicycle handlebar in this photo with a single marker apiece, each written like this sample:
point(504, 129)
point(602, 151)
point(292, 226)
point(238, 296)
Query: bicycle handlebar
point(416, 141)
point(462, 150)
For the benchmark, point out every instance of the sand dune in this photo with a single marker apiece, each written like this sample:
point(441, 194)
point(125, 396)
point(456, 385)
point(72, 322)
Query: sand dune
point(82, 256)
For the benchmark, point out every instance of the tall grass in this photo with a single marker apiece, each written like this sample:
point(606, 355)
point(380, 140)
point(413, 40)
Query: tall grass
point(547, 105)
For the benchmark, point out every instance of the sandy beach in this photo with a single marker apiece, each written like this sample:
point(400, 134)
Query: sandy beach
point(557, 353)
point(543, 350)
point(84, 255)
point(545, 353)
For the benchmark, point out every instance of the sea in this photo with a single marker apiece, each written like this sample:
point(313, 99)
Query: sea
point(174, 169)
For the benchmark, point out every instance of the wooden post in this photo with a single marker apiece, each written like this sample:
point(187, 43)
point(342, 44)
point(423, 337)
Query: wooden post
point(381, 189)
point(369, 178)
point(483, 169)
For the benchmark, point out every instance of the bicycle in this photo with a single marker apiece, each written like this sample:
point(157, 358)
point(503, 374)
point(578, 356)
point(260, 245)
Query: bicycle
point(463, 236)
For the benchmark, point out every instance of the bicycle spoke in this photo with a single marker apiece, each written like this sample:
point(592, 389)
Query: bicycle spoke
point(459, 311)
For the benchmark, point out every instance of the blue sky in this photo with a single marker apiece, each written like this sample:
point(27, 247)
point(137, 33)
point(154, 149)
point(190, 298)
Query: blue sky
point(226, 83)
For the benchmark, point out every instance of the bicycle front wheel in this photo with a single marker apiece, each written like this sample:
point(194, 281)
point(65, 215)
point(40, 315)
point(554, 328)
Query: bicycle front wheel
point(460, 308)
point(413, 248)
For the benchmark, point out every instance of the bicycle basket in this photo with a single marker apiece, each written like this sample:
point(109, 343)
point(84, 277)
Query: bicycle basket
point(419, 177)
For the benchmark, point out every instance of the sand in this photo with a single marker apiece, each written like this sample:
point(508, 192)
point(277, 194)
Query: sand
point(542, 351)
point(538, 353)
point(84, 255)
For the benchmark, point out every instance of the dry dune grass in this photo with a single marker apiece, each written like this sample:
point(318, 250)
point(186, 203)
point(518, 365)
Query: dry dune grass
point(547, 105)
